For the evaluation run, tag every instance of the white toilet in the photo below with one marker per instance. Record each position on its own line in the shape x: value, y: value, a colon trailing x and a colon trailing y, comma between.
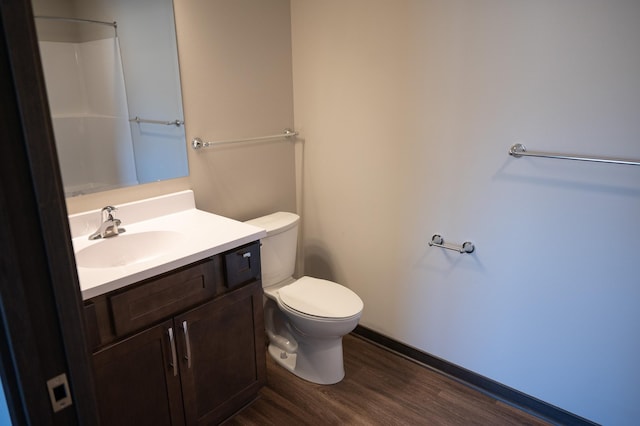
x: 306, y: 318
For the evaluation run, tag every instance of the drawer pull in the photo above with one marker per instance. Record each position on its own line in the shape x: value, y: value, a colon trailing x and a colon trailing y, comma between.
x: 246, y: 254
x: 185, y: 329
x: 172, y: 341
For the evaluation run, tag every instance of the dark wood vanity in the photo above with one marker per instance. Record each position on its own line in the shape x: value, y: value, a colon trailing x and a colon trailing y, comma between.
x: 185, y: 347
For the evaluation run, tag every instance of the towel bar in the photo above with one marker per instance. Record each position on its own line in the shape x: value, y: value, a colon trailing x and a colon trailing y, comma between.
x: 519, y: 150
x: 437, y: 241
x: 198, y: 143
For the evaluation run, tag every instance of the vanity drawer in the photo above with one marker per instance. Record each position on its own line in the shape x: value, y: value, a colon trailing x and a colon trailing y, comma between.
x: 242, y: 265
x: 165, y: 295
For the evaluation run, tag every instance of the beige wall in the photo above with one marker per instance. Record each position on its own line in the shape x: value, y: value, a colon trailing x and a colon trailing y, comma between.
x: 235, y: 63
x: 408, y: 109
x: 53, y: 7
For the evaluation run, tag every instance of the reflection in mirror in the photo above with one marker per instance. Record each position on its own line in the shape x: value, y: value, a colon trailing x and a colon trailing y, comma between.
x: 114, y: 91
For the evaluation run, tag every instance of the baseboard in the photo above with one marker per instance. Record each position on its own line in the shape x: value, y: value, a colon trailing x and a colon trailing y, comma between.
x: 497, y: 390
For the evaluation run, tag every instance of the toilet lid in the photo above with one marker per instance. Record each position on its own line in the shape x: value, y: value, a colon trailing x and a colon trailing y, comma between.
x: 320, y: 298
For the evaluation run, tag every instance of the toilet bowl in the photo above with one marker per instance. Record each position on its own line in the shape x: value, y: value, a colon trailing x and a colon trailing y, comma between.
x: 305, y: 318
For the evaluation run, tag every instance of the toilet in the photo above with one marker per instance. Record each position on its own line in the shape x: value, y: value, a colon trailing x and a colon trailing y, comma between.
x: 305, y: 318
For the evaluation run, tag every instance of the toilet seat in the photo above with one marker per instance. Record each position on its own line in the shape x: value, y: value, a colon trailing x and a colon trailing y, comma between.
x: 319, y: 298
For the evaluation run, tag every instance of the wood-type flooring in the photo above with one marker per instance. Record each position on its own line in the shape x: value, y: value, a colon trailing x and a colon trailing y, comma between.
x: 379, y: 388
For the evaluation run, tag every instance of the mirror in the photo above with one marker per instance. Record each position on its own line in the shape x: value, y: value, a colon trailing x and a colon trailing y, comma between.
x: 113, y: 82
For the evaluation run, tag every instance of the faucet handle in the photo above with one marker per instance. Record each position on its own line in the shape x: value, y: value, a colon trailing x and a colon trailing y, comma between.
x: 107, y: 212
x: 110, y: 226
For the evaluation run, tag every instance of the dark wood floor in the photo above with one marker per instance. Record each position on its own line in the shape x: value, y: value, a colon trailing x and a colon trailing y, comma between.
x: 380, y: 388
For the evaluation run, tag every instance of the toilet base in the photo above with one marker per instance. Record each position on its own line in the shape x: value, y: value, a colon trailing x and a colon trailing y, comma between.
x: 285, y: 359
x: 323, y: 365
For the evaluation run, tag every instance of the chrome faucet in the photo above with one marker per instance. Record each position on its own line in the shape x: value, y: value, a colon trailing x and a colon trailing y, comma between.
x: 109, y: 226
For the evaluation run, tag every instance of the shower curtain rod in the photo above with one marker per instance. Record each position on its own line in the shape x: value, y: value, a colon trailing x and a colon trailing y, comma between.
x: 113, y: 24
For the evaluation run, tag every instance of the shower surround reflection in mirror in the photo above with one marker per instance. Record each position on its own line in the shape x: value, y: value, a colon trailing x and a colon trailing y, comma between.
x: 88, y: 102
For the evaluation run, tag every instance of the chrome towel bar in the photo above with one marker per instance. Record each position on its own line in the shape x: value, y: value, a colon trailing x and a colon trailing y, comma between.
x: 438, y: 241
x: 519, y: 150
x: 198, y: 143
x: 139, y: 120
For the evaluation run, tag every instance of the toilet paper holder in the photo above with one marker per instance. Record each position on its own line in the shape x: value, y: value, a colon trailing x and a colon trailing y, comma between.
x: 466, y: 247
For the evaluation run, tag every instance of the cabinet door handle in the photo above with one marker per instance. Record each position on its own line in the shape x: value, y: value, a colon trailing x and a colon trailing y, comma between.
x: 174, y: 362
x: 185, y: 329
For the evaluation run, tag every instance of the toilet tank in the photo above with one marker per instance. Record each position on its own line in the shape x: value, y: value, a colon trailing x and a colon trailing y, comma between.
x: 278, y: 250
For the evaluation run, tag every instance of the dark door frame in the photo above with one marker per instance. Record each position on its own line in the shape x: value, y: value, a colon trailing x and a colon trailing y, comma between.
x: 41, y: 320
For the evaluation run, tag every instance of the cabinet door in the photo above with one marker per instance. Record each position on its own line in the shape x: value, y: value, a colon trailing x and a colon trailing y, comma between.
x: 136, y: 383
x: 224, y: 343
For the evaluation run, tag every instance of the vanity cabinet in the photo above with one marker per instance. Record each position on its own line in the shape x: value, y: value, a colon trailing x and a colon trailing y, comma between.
x: 163, y: 356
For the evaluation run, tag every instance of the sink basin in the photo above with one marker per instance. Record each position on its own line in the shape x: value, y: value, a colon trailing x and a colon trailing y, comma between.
x: 128, y: 249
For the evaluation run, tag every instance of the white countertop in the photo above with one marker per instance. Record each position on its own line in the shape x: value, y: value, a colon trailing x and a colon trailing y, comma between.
x: 202, y: 235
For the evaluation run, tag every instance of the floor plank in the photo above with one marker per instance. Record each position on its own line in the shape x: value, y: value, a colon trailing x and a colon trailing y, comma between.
x: 380, y: 388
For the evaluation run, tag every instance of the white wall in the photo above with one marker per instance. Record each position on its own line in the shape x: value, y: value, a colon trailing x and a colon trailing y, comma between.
x: 407, y: 109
